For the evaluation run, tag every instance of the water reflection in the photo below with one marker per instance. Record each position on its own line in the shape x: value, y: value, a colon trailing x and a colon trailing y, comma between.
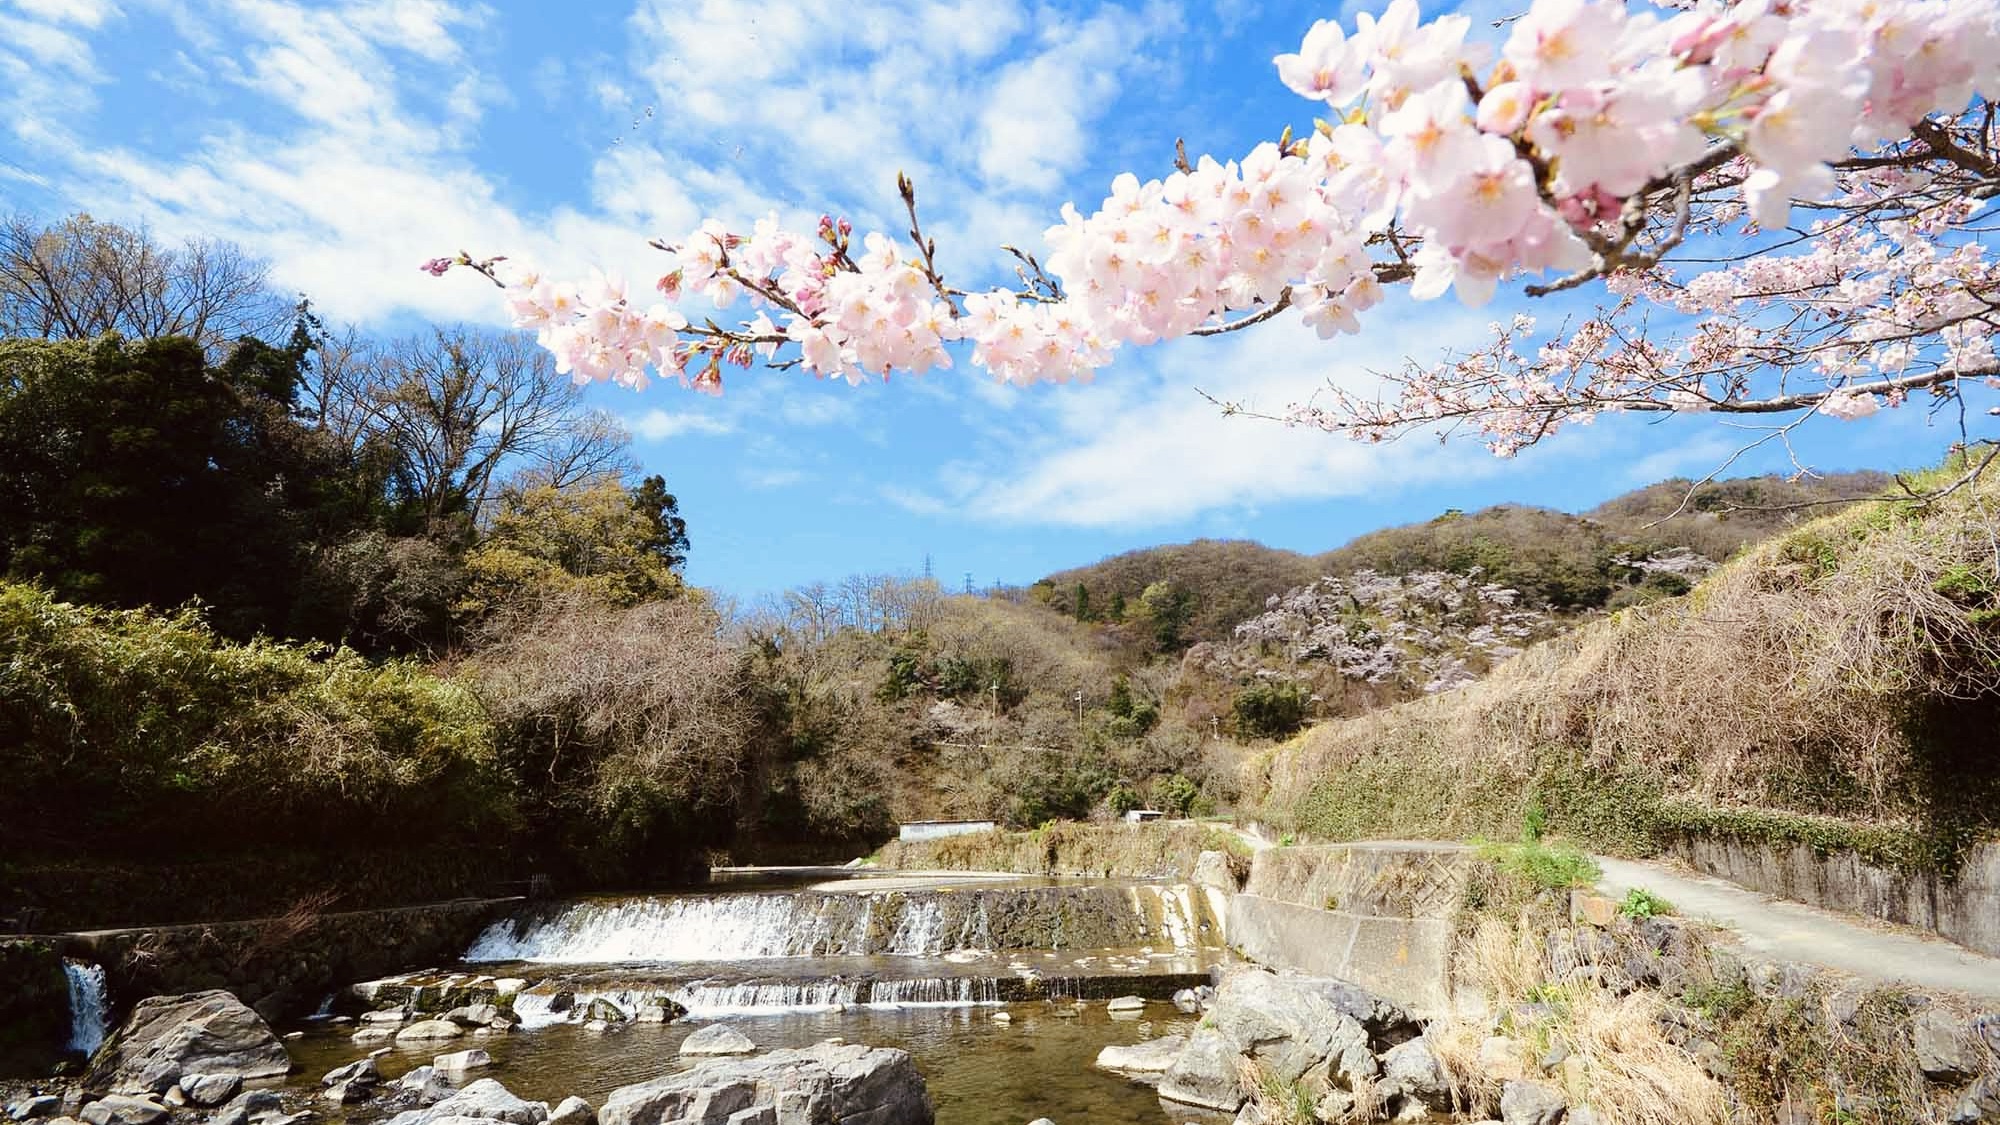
x: 980, y: 1072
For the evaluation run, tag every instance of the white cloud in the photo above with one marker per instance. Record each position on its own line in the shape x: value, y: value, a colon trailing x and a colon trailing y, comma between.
x: 1142, y: 449
x: 1034, y: 125
x: 658, y: 425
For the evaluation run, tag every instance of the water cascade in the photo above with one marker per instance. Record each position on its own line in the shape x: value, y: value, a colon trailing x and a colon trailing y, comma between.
x: 89, y: 1015
x: 909, y: 923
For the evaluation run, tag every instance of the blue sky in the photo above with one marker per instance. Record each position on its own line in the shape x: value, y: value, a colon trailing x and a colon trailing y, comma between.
x: 346, y: 143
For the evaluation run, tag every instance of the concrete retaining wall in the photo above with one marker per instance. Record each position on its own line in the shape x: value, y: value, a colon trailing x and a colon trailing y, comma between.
x: 280, y: 966
x: 1964, y: 909
x: 1379, y: 914
x: 1407, y: 960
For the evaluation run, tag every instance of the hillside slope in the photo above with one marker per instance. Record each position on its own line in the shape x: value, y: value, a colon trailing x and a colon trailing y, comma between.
x: 1559, y: 560
x: 1836, y: 685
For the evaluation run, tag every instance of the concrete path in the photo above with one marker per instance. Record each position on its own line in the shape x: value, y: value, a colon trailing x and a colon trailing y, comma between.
x: 1790, y: 931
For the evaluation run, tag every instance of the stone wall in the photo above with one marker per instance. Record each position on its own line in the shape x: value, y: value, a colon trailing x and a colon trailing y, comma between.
x: 1964, y: 908
x: 34, y: 1006
x: 281, y: 966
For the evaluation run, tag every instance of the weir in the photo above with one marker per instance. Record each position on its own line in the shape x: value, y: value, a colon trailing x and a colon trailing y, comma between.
x: 891, y: 942
x: 920, y: 922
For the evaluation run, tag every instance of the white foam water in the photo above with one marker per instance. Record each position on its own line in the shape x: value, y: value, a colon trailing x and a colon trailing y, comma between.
x: 740, y: 927
x: 89, y: 1014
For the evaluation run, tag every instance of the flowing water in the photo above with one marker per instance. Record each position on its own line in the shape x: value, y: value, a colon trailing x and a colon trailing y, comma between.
x: 979, y: 1072
x: 88, y: 1012
x: 923, y: 965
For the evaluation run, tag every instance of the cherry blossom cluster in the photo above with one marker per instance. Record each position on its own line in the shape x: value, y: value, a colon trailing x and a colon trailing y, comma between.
x: 1574, y: 151
x: 1857, y: 317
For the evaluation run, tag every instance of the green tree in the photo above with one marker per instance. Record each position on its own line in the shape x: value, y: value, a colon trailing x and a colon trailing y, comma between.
x: 1082, y: 602
x: 134, y: 473
x: 589, y: 541
x: 667, y: 535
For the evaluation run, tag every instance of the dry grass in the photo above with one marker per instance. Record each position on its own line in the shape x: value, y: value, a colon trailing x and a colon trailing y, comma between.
x: 1148, y: 851
x: 1789, y: 680
x: 1620, y: 1061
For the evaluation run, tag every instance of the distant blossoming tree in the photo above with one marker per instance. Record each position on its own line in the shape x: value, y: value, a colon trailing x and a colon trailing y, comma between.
x: 1778, y: 204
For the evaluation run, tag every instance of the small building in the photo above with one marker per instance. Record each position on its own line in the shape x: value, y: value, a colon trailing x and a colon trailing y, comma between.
x: 938, y: 829
x: 1141, y: 816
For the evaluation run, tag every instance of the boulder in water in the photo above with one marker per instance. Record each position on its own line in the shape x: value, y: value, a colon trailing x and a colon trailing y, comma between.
x: 1152, y: 1057
x: 717, y: 1039
x: 117, y: 1109
x: 430, y: 1086
x: 429, y: 1029
x: 848, y: 1083
x: 210, y: 1089
x: 458, y: 1062
x: 485, y: 1100
x: 600, y: 1010
x: 474, y: 1015
x: 1206, y: 1073
x: 1127, y: 1004
x: 166, y: 1037
x: 573, y: 1111
x: 363, y: 1072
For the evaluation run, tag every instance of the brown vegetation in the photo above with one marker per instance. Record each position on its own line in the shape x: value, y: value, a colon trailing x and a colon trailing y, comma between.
x: 1843, y: 669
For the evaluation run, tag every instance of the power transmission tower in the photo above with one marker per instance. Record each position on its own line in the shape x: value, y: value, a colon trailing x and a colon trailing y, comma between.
x: 927, y: 565
x: 968, y: 582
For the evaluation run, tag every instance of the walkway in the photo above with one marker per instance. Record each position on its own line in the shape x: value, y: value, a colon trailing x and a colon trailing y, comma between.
x: 1790, y: 931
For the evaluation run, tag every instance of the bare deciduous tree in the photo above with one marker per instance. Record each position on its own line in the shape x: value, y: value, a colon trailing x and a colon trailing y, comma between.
x: 464, y: 412
x: 80, y: 278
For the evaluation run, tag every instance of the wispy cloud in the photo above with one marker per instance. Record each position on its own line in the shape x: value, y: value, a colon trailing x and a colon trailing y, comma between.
x: 658, y: 425
x: 1143, y: 448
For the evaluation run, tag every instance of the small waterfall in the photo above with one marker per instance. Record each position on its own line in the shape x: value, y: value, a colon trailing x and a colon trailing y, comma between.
x: 954, y: 992
x: 739, y: 927
x: 89, y: 1015
x: 722, y: 999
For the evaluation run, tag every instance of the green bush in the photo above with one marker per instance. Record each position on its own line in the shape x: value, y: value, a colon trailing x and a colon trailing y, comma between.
x: 1548, y: 865
x: 1270, y: 710
x: 126, y: 730
x: 1642, y: 903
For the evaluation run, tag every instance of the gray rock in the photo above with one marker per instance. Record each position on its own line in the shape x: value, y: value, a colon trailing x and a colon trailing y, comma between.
x: 473, y: 1015
x: 1980, y: 1105
x: 1041, y: 1121
x: 848, y: 1083
x: 117, y: 1109
x: 1211, y: 869
x: 361, y: 1073
x: 1127, y: 1004
x: 573, y: 1111
x: 485, y: 1100
x: 1187, y: 1002
x: 386, y: 1015
x: 1944, y: 1050
x: 345, y: 1093
x: 659, y: 1009
x: 375, y: 1033
x: 1205, y: 1073
x: 210, y: 1089
x: 1290, y: 1025
x: 1530, y: 1103
x: 28, y: 1109
x: 1412, y: 1070
x: 1153, y: 1056
x: 204, y: 1033
x: 458, y: 1062
x: 424, y: 1030
x: 429, y: 1085
x: 717, y: 1039
x: 603, y: 1010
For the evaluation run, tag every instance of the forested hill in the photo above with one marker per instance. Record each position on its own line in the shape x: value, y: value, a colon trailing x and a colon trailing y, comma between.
x: 1558, y: 559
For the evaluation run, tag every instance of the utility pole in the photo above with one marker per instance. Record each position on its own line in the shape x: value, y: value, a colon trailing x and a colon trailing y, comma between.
x: 995, y: 689
x: 1215, y: 728
x: 1079, y: 710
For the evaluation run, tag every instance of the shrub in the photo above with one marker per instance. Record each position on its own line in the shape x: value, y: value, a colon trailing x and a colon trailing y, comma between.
x: 1642, y: 903
x: 133, y: 731
x: 1269, y: 710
